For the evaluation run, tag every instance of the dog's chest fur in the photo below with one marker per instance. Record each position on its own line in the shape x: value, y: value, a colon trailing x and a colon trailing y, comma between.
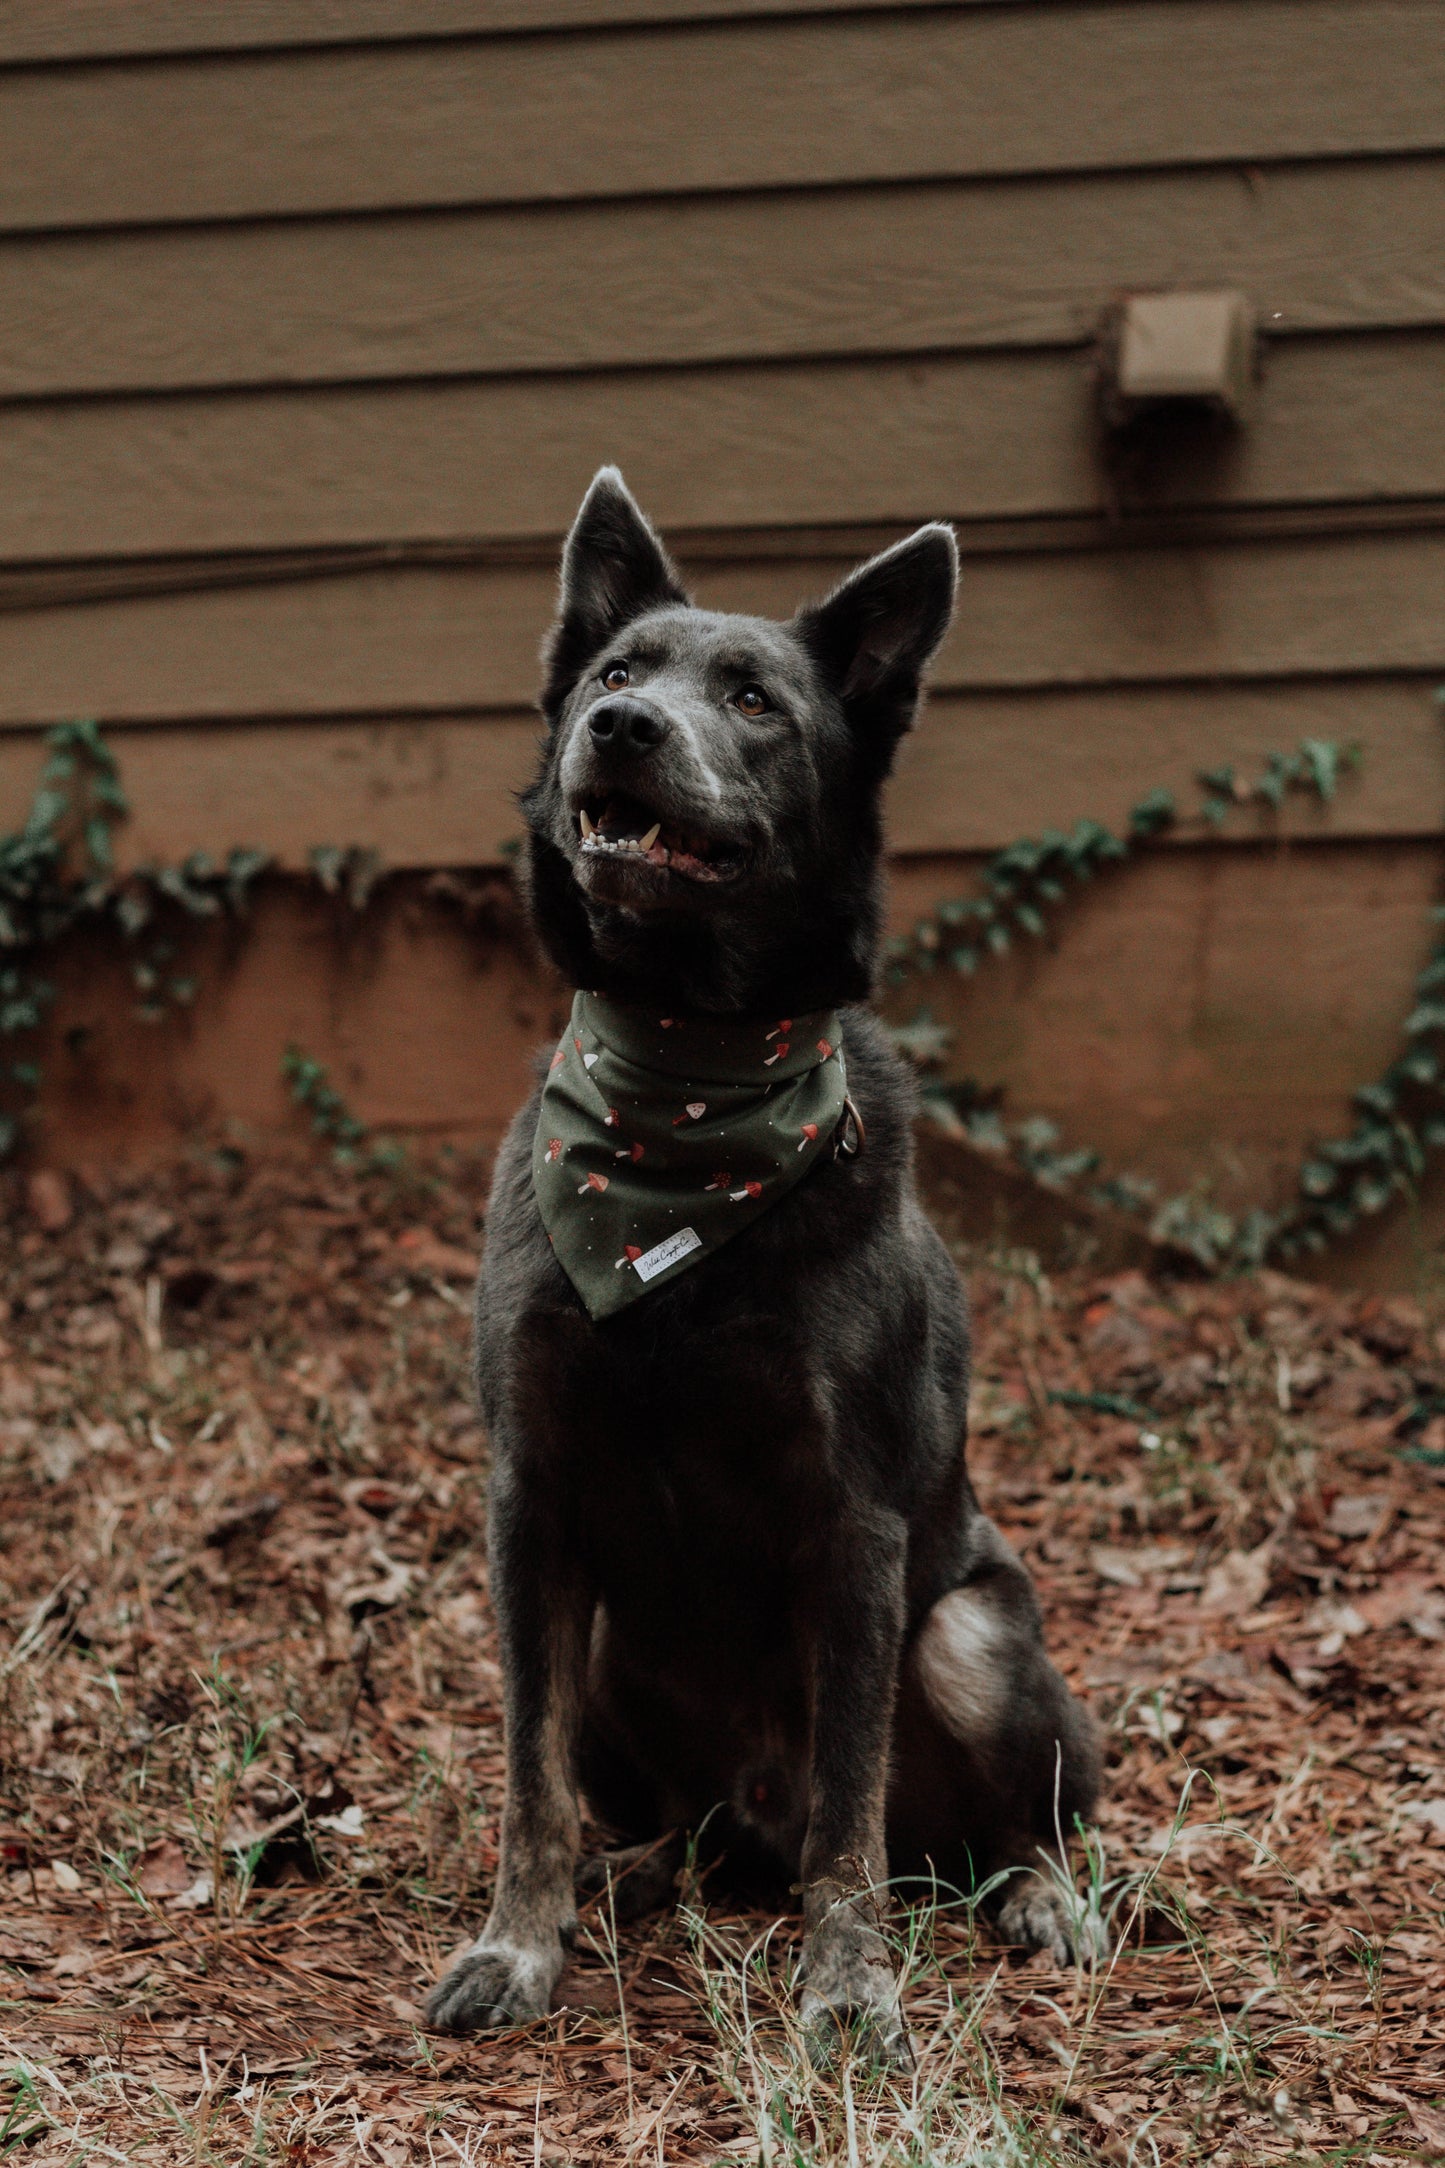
x: 688, y: 1440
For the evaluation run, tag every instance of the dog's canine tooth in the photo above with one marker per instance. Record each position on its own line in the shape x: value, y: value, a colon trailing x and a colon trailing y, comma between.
x: 645, y: 843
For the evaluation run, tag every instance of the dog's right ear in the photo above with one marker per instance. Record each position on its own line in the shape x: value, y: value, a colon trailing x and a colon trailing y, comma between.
x: 613, y: 568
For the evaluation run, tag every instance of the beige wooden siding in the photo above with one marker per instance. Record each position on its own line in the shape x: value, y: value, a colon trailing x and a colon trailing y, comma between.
x: 657, y: 109
x: 973, y: 437
x: 315, y: 320
x: 429, y: 789
x: 466, y: 637
x: 806, y: 273
x: 93, y: 29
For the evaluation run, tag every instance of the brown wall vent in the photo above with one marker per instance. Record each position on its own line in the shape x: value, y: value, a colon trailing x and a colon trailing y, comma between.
x: 1180, y: 349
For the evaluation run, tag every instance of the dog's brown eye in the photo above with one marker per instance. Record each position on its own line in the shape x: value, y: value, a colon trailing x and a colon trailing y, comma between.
x: 752, y: 700
x: 615, y: 676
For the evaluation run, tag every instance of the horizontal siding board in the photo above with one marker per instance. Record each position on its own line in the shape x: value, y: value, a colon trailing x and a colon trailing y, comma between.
x: 1308, y: 608
x: 1341, y: 246
x: 897, y: 95
x: 979, y: 772
x: 433, y: 792
x: 971, y: 436
x: 463, y: 639
x: 983, y: 769
x: 32, y: 30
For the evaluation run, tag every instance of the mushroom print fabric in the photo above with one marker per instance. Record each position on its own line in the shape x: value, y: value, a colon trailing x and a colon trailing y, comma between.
x: 660, y: 1137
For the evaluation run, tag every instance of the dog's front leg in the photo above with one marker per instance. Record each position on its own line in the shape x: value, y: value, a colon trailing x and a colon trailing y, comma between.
x: 856, y: 1605
x: 544, y: 1615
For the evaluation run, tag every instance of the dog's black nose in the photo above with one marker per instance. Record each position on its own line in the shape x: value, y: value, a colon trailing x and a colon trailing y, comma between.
x: 625, y: 725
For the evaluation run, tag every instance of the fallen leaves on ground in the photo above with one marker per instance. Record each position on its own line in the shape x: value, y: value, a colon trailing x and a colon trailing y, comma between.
x: 249, y: 1717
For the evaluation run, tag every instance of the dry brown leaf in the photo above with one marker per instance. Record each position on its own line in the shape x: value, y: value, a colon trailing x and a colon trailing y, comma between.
x: 163, y: 1871
x: 423, y: 1251
x: 1430, y: 2122
x: 1238, y: 1583
x: 1356, y: 1516
x: 1131, y: 1568
x: 1411, y: 1599
x: 47, y: 1192
x: 72, y: 1963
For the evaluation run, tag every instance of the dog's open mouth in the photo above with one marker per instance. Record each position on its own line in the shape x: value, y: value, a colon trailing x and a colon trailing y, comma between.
x: 625, y: 830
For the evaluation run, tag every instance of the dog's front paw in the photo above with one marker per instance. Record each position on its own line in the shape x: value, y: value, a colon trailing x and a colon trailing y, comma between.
x: 494, y: 1987
x: 850, y: 1989
x: 1039, y: 1915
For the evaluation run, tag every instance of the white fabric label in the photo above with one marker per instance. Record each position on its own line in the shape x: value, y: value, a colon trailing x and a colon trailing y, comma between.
x: 682, y: 1244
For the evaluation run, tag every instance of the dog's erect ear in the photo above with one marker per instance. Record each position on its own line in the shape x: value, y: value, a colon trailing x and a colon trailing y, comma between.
x: 613, y: 568
x: 874, y: 634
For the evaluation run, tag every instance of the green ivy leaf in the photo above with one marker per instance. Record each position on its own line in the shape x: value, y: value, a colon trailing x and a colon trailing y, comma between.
x: 133, y: 909
x: 923, y: 1040
x: 1321, y: 762
x: 326, y: 862
x: 98, y: 843
x: 1152, y: 814
x: 1420, y: 1066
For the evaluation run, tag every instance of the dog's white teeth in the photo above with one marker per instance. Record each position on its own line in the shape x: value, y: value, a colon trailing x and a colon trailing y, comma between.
x: 588, y: 826
x: 645, y: 843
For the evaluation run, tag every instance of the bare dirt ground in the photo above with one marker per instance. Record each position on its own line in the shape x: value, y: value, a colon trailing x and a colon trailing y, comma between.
x: 251, y: 1752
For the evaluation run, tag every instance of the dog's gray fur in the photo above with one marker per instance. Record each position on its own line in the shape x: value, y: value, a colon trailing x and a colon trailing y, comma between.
x: 738, y: 1568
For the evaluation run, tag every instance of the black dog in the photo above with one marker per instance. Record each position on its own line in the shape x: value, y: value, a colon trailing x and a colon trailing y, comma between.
x: 738, y: 1568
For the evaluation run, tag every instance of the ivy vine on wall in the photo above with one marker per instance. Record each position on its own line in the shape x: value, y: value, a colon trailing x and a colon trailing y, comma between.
x: 59, y: 871
x: 1343, y: 1180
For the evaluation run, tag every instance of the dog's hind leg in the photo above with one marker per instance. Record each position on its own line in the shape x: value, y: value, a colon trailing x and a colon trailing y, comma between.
x: 997, y: 1761
x: 635, y: 1879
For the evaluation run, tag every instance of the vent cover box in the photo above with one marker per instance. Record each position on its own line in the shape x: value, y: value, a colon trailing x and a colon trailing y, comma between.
x: 1186, y: 346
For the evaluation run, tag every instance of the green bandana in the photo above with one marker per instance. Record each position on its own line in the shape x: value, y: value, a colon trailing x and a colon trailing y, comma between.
x: 659, y: 1137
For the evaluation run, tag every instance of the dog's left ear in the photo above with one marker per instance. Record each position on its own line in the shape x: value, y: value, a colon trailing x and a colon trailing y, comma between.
x: 874, y: 635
